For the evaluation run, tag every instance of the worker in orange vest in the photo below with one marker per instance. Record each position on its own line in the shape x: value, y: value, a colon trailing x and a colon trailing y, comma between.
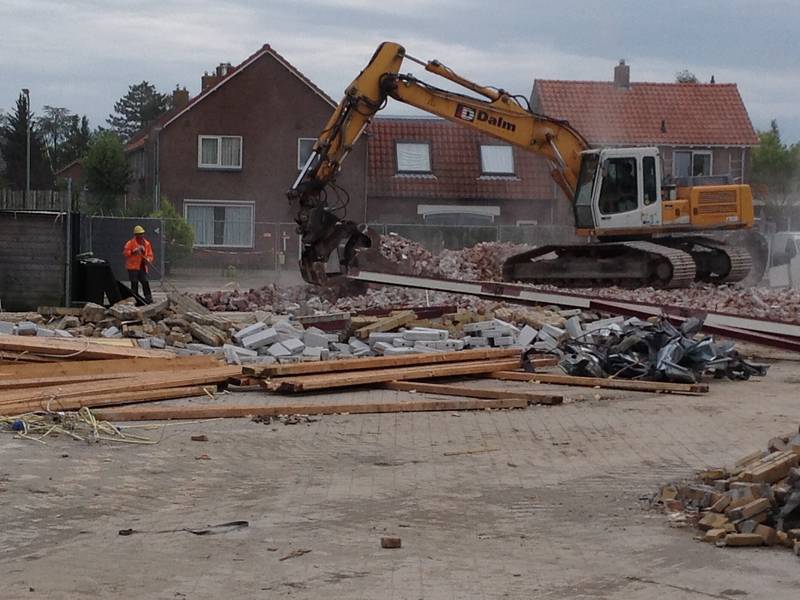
x: 138, y: 254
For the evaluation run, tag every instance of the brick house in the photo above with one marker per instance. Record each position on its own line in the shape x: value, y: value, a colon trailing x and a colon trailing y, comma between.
x: 701, y: 129
x: 430, y: 171
x: 226, y: 157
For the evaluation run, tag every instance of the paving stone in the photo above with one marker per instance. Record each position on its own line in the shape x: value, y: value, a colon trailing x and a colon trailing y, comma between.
x: 526, y: 335
x: 240, y: 335
x: 316, y: 339
x: 241, y: 352
x: 424, y: 334
x: 278, y: 350
x: 294, y: 345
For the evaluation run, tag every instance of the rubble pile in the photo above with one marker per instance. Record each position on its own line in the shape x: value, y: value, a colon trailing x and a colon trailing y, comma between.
x: 483, y: 261
x: 415, y: 258
x: 774, y: 304
x: 651, y: 350
x: 755, y: 502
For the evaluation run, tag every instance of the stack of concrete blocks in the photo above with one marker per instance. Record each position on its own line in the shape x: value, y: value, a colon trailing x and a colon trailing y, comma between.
x: 28, y: 328
x: 495, y: 334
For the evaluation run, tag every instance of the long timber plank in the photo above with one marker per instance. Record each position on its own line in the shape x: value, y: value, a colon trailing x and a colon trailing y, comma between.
x: 129, y: 397
x: 355, y: 378
x: 153, y: 381
x: 103, y: 367
x: 214, y: 411
x: 378, y: 362
x: 471, y: 392
x: 616, y: 384
x: 79, y: 349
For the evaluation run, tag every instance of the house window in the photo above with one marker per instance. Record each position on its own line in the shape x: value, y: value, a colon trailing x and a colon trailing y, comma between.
x: 219, y: 152
x: 688, y: 164
x: 220, y: 224
x: 304, y: 148
x: 413, y: 157
x: 701, y: 163
x: 497, y: 160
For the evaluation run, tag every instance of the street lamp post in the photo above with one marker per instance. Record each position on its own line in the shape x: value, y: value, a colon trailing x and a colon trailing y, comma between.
x: 27, y: 93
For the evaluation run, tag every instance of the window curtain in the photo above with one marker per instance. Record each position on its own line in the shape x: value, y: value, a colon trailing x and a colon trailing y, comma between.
x: 231, y: 152
x: 201, y: 219
x: 414, y: 158
x: 238, y: 226
x: 208, y: 151
x: 497, y: 159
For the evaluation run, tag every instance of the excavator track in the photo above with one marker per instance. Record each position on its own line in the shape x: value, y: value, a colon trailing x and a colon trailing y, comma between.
x: 716, y: 261
x: 626, y: 264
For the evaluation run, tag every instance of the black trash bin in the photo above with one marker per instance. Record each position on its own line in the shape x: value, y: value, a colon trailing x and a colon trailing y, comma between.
x: 95, y: 281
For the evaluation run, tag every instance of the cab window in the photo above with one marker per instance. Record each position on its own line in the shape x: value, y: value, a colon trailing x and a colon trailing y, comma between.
x: 649, y: 180
x: 619, y: 191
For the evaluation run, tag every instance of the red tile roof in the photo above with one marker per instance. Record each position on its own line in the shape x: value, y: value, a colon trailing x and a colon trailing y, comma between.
x: 455, y: 162
x: 693, y: 113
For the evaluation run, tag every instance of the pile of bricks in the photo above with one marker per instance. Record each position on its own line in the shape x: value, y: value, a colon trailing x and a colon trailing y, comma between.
x: 755, y: 502
x: 414, y: 257
x: 483, y: 261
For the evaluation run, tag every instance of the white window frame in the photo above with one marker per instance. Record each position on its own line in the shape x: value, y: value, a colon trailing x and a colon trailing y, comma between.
x: 224, y: 203
x: 692, y: 154
x: 485, y: 173
x: 218, y: 166
x: 302, y: 163
x: 399, y: 143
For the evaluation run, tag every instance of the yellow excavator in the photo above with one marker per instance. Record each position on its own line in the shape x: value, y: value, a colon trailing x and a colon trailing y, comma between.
x: 641, y: 230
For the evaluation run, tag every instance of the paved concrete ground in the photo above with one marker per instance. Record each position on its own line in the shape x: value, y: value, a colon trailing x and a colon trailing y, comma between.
x: 550, y: 508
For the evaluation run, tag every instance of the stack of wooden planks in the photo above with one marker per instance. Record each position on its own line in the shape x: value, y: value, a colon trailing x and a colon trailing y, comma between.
x: 17, y: 348
x: 71, y: 385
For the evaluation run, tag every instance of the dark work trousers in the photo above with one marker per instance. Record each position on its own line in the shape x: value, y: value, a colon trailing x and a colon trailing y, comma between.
x: 141, y: 276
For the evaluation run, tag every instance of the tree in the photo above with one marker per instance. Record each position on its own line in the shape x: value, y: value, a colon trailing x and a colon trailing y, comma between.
x: 78, y: 138
x: 178, y: 234
x: 775, y: 167
x: 106, y: 172
x: 13, y: 147
x: 141, y: 105
x: 54, y: 126
x: 685, y: 76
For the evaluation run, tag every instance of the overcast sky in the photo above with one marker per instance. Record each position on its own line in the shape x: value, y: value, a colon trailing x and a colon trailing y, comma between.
x: 83, y: 54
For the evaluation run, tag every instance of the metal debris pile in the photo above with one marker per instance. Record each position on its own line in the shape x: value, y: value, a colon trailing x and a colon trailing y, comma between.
x: 650, y: 350
x: 754, y: 502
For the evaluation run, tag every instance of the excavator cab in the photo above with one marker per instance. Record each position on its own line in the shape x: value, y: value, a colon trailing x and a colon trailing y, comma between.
x: 618, y: 189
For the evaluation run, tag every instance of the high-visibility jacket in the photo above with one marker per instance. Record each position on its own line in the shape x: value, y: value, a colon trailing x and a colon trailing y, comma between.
x: 133, y: 261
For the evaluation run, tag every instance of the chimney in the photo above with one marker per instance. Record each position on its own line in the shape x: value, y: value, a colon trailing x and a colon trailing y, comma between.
x: 622, y: 75
x: 208, y: 81
x: 180, y: 97
x: 224, y: 69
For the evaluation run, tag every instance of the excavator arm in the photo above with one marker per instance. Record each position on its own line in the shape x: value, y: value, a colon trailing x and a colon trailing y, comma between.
x: 325, y: 232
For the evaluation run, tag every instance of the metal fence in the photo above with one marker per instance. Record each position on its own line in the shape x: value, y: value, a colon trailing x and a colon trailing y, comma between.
x: 44, y: 200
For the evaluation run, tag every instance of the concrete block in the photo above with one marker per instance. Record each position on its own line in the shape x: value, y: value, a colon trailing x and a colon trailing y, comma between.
x: 479, y: 327
x: 316, y: 339
x: 554, y: 332
x: 26, y: 328
x: 386, y: 338
x: 505, y: 326
x: 6, y: 327
x: 380, y: 347
x: 111, y: 332
x: 431, y: 345
x: 144, y: 343
x: 425, y: 334
x: 260, y: 339
x: 288, y: 331
x: 526, y: 336
x: 241, y: 352
x: 573, y: 327
x: 258, y: 360
x: 248, y: 331
x: 316, y: 352
x: 278, y: 350
x: 157, y: 342
x: 502, y: 341
x: 93, y: 312
x: 402, y: 343
x: 392, y: 351
x: 63, y: 334
x: 474, y: 341
x: 603, y: 323
x: 342, y: 348
x: 294, y: 345
x: 203, y: 348
x: 44, y: 332
x: 357, y: 347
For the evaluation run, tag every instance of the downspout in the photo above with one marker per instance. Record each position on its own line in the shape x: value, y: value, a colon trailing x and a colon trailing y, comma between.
x: 68, y: 274
x: 744, y: 154
x: 157, y: 170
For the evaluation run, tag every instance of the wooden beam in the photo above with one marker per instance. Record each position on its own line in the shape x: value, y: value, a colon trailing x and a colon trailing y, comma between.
x: 387, y: 323
x: 213, y: 411
x: 104, y: 367
x: 7, y: 358
x: 454, y: 390
x: 380, y: 362
x: 128, y: 397
x: 78, y: 348
x: 145, y: 381
x: 353, y: 378
x: 616, y: 384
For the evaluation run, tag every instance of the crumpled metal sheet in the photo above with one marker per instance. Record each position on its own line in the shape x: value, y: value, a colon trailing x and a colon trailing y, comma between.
x: 654, y: 351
